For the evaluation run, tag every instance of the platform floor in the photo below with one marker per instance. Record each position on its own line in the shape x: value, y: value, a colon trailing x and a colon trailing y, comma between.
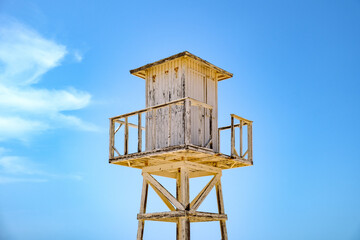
x: 189, y: 153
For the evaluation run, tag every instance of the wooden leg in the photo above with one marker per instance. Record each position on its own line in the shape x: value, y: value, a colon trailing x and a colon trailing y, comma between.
x: 220, y: 202
x: 182, y: 195
x: 141, y: 223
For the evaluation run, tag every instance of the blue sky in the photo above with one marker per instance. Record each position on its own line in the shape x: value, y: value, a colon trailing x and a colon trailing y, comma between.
x: 64, y: 70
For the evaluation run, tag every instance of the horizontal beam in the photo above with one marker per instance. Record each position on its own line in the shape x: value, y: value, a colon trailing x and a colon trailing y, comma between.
x: 173, y: 216
x: 228, y: 127
x: 130, y: 124
x: 241, y: 118
x: 176, y: 165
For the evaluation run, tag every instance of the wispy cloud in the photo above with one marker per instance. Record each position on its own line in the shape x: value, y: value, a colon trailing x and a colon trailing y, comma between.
x: 14, y: 169
x: 25, y: 109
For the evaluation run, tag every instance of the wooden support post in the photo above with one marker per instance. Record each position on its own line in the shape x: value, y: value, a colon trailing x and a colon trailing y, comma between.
x: 232, y: 137
x: 143, y: 202
x: 126, y: 137
x: 241, y: 139
x: 250, y: 151
x: 182, y: 193
x: 221, y: 208
x: 210, y: 128
x: 112, y: 139
x: 139, y: 133
x: 187, y: 121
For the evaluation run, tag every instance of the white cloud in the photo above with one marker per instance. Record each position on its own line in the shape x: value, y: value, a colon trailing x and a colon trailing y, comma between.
x: 25, y: 109
x: 78, y: 57
x: 19, y: 169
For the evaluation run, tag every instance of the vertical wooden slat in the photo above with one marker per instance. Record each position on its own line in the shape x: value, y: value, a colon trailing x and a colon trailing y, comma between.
x: 241, y: 137
x: 153, y: 134
x: 182, y: 193
x: 126, y: 137
x: 169, y: 126
x: 187, y: 120
x: 250, y: 152
x: 112, y: 139
x: 139, y: 133
x: 143, y: 202
x: 232, y: 137
x: 221, y: 208
x: 210, y: 128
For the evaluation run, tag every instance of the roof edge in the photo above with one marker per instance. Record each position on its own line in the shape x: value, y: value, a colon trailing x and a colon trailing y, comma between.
x: 139, y: 72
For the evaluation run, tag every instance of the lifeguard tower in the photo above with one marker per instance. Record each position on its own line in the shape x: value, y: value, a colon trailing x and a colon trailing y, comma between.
x: 181, y: 139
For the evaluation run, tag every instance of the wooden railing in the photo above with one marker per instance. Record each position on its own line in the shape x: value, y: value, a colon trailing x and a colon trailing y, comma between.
x: 123, y: 120
x: 243, y: 122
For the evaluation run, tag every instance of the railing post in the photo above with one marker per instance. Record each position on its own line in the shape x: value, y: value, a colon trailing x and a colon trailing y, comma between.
x: 126, y: 136
x: 187, y: 121
x: 250, y: 152
x: 112, y: 139
x: 241, y: 139
x: 232, y: 137
x: 139, y: 133
x: 210, y: 128
x: 218, y: 140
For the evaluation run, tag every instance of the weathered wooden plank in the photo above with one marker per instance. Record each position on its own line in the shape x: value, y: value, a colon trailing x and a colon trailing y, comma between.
x: 228, y: 127
x: 241, y: 118
x: 158, y: 187
x: 173, y: 216
x: 187, y: 121
x: 169, y: 126
x: 139, y: 133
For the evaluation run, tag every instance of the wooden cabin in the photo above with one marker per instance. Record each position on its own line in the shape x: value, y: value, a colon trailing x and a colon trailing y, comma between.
x: 182, y: 137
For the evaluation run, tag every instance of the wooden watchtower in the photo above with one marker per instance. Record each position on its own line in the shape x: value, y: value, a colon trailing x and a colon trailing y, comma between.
x: 180, y: 139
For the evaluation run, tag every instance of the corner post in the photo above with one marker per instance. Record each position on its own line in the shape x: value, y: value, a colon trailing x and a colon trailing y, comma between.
x: 232, y: 137
x: 139, y: 133
x: 220, y: 203
x: 126, y: 137
x: 250, y: 150
x: 143, y: 202
x: 112, y: 139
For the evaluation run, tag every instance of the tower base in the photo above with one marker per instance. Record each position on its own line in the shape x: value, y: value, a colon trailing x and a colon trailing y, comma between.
x: 182, y: 211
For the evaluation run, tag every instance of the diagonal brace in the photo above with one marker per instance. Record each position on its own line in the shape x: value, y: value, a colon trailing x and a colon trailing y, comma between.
x: 164, y: 194
x: 195, y: 203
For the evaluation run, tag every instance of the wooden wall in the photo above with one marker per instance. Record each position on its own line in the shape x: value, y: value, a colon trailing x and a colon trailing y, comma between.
x: 175, y: 79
